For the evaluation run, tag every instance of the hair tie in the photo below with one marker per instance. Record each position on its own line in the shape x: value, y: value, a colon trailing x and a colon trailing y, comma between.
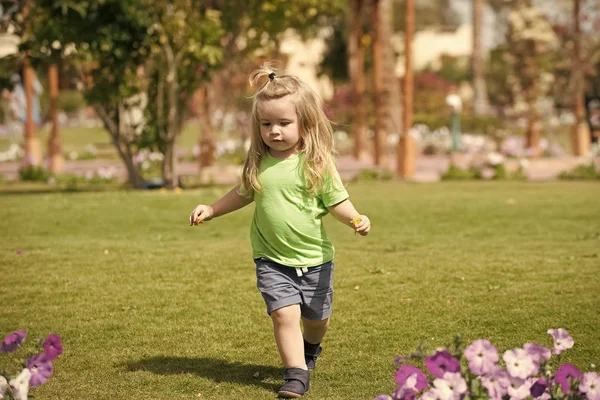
x: 272, y: 76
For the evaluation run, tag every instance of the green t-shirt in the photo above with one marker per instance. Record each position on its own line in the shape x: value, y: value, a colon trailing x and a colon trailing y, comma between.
x: 287, y: 226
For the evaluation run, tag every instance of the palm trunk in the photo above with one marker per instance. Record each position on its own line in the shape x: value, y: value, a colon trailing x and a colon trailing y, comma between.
x: 55, y: 156
x: 357, y: 77
x: 481, y: 103
x: 406, y: 147
x: 381, y: 46
x: 580, y: 135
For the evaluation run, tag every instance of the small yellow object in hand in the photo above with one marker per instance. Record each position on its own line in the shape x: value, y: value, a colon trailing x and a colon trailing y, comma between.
x: 356, y: 221
x: 198, y: 221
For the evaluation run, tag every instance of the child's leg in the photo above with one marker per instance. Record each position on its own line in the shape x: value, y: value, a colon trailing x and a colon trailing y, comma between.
x: 288, y: 336
x: 314, y: 331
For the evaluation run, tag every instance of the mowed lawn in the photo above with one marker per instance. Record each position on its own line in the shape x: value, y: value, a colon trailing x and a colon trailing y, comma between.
x: 150, y: 308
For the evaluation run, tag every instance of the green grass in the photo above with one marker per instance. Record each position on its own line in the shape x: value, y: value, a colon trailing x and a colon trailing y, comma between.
x: 149, y: 308
x: 77, y: 138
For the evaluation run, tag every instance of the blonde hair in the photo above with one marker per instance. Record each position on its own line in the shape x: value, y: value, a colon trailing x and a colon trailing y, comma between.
x: 316, y: 132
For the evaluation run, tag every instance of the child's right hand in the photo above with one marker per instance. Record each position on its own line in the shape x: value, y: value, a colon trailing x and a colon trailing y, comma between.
x: 201, y: 213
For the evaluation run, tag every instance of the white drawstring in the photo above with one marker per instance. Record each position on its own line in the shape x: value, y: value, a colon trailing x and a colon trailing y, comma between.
x: 299, y: 271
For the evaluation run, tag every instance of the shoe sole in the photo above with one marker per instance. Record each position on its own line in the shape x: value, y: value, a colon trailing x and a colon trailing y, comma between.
x: 288, y: 395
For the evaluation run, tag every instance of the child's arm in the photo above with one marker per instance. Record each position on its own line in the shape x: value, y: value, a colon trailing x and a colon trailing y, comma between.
x: 230, y: 202
x: 347, y: 214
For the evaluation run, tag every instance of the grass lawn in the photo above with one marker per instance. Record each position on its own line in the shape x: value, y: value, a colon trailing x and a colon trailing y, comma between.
x: 150, y: 308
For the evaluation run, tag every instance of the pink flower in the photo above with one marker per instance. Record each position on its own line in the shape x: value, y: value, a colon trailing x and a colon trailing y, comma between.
x: 496, y: 383
x: 562, y: 340
x: 539, y: 353
x: 590, y: 385
x: 442, y: 362
x: 53, y: 346
x: 519, y: 363
x: 565, y: 375
x: 13, y: 340
x: 411, y: 377
x: 482, y: 357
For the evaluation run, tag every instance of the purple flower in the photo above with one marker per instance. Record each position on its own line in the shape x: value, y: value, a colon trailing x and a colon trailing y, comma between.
x: 565, y: 374
x: 562, y: 340
x: 40, y: 367
x: 590, y: 385
x: 519, y: 363
x: 482, y: 357
x: 19, y: 251
x: 404, y: 393
x: 538, y: 388
x: 13, y: 340
x: 539, y: 353
x: 440, y: 363
x: 496, y: 383
x: 53, y: 346
x: 383, y: 397
x: 411, y: 377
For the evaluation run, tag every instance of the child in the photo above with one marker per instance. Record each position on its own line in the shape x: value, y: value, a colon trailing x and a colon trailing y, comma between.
x: 290, y: 175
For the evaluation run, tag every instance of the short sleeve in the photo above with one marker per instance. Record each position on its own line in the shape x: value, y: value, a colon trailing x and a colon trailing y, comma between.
x: 333, y: 191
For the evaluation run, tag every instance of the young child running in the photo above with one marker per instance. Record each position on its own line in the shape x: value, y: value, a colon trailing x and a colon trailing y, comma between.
x: 290, y: 175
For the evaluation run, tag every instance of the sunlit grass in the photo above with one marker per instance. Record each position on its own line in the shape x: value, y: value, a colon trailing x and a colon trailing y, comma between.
x: 150, y: 308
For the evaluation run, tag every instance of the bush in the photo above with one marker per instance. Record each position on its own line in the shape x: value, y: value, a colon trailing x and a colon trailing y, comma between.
x: 33, y: 173
x: 70, y: 101
x: 581, y: 172
x: 374, y: 175
x: 469, y: 124
x: 455, y: 173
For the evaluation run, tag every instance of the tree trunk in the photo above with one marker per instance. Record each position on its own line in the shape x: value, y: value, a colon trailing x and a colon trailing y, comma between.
x: 169, y: 173
x: 533, y: 134
x: 207, y: 137
x: 481, y: 103
x: 381, y: 45
x: 357, y: 77
x: 580, y: 135
x: 406, y: 147
x: 55, y: 157
x: 134, y: 178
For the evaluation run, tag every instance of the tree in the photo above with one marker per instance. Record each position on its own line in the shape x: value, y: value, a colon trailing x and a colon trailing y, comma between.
x: 135, y: 55
x: 481, y: 104
x: 357, y: 78
x: 529, y: 38
x: 405, y: 149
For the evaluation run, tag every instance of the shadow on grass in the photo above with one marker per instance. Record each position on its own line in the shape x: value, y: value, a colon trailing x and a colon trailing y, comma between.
x: 211, y: 368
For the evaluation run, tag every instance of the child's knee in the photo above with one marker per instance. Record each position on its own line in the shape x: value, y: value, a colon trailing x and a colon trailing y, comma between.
x: 286, y: 315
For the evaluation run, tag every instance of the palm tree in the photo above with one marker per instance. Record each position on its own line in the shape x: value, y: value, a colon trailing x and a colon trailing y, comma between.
x: 357, y: 78
x: 580, y: 136
x: 406, y: 148
x: 481, y: 103
x: 387, y: 92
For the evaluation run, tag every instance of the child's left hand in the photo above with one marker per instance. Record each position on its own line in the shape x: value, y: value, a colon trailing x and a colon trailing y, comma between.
x: 362, y: 225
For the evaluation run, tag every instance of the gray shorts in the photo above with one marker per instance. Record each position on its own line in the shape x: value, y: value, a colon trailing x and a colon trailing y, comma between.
x: 280, y: 286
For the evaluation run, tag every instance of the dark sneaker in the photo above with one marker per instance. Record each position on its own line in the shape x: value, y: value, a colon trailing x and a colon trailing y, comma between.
x: 297, y: 382
x: 311, y: 359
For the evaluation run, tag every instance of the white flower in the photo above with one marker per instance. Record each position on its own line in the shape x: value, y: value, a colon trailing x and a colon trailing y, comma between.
x: 562, y: 340
x: 590, y: 385
x: 519, y: 389
x: 451, y: 387
x: 19, y: 386
x: 3, y: 386
x: 495, y: 158
x: 519, y: 363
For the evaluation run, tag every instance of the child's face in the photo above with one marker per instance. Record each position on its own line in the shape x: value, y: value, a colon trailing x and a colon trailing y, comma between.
x: 279, y: 126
